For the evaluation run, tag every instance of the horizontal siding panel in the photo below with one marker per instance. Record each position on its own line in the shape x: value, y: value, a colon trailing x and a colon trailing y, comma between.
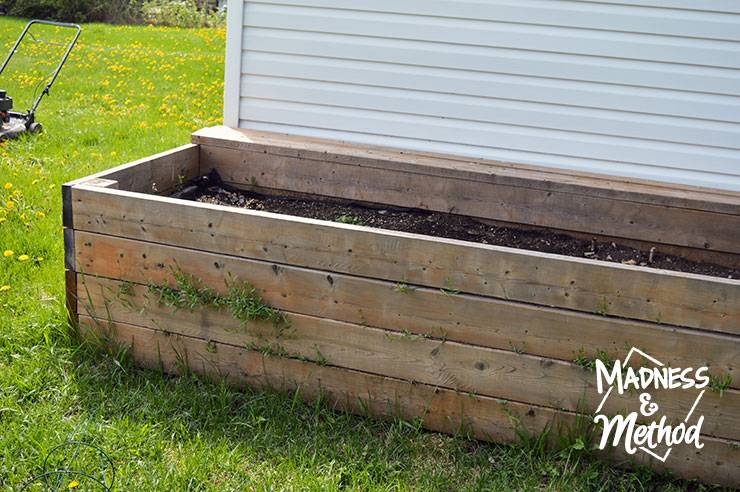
x: 694, y: 177
x: 643, y: 88
x: 473, y: 133
x: 494, y: 60
x: 494, y: 34
x: 646, y: 20
x: 492, y: 85
x: 488, y: 110
x: 720, y: 6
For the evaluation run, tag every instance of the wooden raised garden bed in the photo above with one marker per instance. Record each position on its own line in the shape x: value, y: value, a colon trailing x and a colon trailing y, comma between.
x: 474, y: 338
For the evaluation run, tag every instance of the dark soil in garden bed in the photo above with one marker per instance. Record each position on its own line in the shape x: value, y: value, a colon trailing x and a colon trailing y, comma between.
x: 210, y: 189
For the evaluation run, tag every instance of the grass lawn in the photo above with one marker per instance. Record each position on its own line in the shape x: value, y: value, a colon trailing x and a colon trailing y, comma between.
x: 128, y: 92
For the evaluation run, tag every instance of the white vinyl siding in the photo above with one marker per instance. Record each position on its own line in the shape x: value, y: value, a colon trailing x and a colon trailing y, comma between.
x: 647, y: 89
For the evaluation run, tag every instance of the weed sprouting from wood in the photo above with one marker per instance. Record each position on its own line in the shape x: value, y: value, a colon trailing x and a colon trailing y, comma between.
x: 274, y: 350
x: 449, y: 288
x: 125, y: 288
x: 519, y: 349
x: 349, y: 219
x: 589, y: 363
x: 241, y: 299
x: 403, y: 288
x: 245, y: 304
x: 320, y: 359
x: 602, y: 308
x: 721, y: 383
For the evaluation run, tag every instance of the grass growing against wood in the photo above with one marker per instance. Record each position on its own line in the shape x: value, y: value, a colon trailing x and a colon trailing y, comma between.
x: 129, y: 92
x: 241, y: 299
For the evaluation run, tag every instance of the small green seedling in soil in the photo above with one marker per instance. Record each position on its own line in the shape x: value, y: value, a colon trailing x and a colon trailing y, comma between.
x: 349, y: 219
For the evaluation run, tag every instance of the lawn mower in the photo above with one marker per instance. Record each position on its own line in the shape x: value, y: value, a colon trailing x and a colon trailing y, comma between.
x: 14, y: 124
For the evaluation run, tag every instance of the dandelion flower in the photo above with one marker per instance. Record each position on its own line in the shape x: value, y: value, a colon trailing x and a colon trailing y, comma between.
x: 9, y: 205
x: 23, y: 258
x: 4, y: 288
x: 73, y: 484
x: 8, y: 186
x: 40, y: 214
x: 8, y: 253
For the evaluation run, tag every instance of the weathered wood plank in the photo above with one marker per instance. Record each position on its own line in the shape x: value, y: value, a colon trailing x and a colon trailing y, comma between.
x: 418, y: 182
x: 158, y: 174
x: 546, y: 178
x: 452, y: 365
x: 487, y: 322
x: 538, y: 278
x: 441, y: 410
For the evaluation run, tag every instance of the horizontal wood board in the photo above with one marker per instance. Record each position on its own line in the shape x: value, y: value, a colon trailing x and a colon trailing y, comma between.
x: 544, y: 279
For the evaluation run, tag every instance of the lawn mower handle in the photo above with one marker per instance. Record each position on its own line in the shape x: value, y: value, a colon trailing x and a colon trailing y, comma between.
x: 61, y: 63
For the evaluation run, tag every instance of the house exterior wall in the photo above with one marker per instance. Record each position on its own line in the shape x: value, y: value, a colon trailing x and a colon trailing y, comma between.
x: 638, y: 88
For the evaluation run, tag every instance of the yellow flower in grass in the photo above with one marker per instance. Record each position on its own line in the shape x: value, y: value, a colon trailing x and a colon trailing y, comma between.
x: 9, y: 205
x: 73, y: 484
x: 8, y: 186
x: 8, y: 253
x: 4, y: 288
x: 40, y: 214
x: 23, y: 258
